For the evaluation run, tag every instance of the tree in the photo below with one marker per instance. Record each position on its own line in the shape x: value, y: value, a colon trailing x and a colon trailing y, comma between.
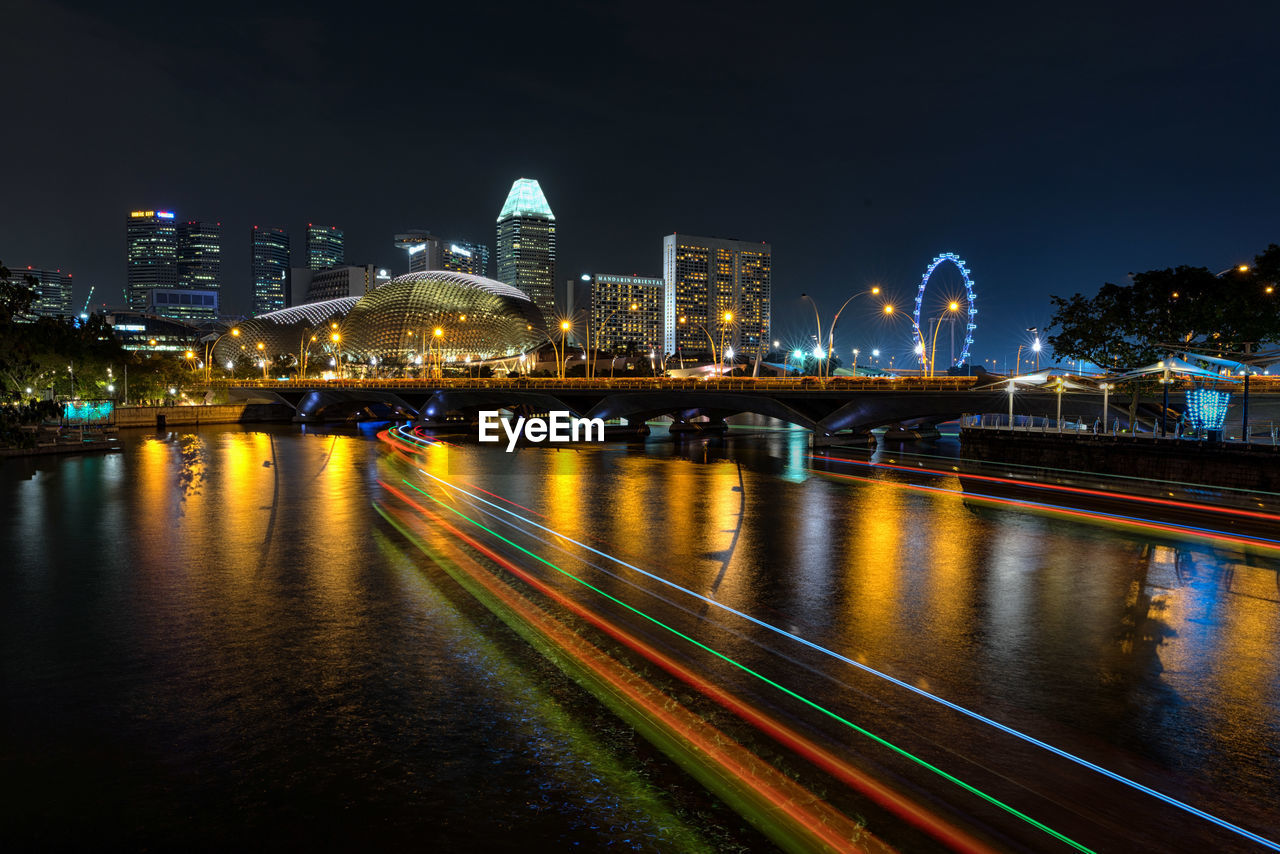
x: 1124, y: 326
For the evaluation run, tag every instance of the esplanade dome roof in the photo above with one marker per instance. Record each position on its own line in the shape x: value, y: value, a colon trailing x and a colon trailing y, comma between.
x: 477, y: 318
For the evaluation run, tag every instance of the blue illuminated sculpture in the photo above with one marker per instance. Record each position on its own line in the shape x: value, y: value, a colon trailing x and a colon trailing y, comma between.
x: 1207, y: 408
x: 969, y: 298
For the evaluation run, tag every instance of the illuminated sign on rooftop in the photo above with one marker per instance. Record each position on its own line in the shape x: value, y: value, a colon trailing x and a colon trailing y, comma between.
x: 414, y: 250
x: 458, y: 250
x: 165, y: 214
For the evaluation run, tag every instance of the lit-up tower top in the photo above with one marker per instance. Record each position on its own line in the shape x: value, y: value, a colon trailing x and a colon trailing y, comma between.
x: 527, y: 245
x: 325, y: 247
x: 151, y: 254
x: 270, y: 263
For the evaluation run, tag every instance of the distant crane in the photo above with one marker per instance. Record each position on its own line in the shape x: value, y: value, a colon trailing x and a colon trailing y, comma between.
x: 88, y: 300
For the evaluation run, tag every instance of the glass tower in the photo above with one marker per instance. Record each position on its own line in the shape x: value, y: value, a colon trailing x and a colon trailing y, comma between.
x: 270, y: 253
x: 527, y: 245
x: 705, y: 279
x: 325, y: 247
x: 151, y: 249
x: 200, y: 255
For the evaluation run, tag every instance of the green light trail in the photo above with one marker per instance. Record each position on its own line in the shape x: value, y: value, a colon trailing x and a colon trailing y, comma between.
x: 829, y: 713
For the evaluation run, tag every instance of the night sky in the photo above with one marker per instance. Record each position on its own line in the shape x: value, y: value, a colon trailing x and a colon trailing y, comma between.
x: 1053, y: 147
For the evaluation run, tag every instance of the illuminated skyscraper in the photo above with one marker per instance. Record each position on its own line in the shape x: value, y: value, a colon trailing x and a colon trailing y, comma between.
x: 270, y: 254
x: 423, y: 248
x: 325, y: 247
x: 151, y: 249
x: 461, y: 257
x: 707, y: 277
x: 527, y: 245
x: 614, y: 323
x: 200, y: 255
x: 53, y: 291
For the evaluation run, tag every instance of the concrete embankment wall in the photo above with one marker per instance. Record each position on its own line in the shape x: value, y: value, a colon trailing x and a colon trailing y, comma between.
x: 194, y: 416
x: 1256, y: 467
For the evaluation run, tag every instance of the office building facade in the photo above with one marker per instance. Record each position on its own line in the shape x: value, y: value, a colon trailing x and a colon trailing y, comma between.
x: 615, y: 325
x: 527, y: 246
x: 151, y: 250
x: 183, y: 303
x: 706, y: 277
x: 199, y: 260
x: 348, y: 280
x: 326, y: 247
x: 52, y: 289
x: 269, y: 254
x: 462, y: 257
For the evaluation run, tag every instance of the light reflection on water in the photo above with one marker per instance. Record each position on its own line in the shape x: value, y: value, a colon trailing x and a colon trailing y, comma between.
x: 219, y: 615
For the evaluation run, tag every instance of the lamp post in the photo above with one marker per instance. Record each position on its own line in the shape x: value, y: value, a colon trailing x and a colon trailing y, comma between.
x: 1062, y: 384
x: 818, y: 320
x: 595, y: 348
x: 1106, y: 413
x: 437, y: 337
x: 234, y: 332
x: 726, y: 322
x: 1035, y: 347
x: 684, y: 321
x: 563, y: 358
x: 831, y: 332
x: 1011, y: 387
x: 335, y: 335
x: 263, y: 358
x: 1164, y: 406
x: 952, y: 307
x: 304, y: 351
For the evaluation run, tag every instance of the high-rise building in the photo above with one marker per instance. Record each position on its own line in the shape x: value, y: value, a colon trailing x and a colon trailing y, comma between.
x: 151, y: 249
x: 325, y: 247
x: 424, y: 249
x: 462, y: 257
x: 614, y: 323
x: 527, y: 245
x: 428, y: 252
x: 53, y: 291
x: 200, y: 255
x: 349, y: 280
x: 270, y: 261
x: 706, y: 278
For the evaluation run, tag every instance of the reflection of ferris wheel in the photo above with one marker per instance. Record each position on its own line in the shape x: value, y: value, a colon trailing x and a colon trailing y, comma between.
x: 970, y: 311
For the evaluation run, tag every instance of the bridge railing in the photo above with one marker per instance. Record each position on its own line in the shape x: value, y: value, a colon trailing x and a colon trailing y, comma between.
x: 745, y: 384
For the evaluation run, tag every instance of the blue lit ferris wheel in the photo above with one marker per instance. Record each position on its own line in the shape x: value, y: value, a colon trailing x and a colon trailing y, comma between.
x: 968, y: 309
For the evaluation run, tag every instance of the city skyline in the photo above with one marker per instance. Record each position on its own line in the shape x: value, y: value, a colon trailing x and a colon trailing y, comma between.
x: 867, y: 156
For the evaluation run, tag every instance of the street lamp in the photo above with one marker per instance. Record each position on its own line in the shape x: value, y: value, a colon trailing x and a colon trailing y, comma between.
x: 437, y: 335
x: 874, y: 290
x: 234, y: 332
x: 262, y: 347
x: 684, y: 321
x: 952, y: 307
x: 1106, y: 416
x: 595, y: 349
x: 336, y: 337
x: 1035, y: 347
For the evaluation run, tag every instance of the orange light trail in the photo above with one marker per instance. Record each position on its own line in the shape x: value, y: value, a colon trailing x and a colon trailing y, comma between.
x: 903, y: 808
x: 1078, y: 490
x: 775, y: 794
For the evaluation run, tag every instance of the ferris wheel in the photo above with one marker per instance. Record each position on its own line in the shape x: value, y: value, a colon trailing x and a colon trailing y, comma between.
x: 968, y: 310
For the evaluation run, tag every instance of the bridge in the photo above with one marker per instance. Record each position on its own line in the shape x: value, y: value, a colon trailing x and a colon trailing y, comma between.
x: 826, y: 407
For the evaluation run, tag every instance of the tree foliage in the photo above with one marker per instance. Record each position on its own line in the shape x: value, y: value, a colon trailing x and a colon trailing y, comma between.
x: 1124, y: 326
